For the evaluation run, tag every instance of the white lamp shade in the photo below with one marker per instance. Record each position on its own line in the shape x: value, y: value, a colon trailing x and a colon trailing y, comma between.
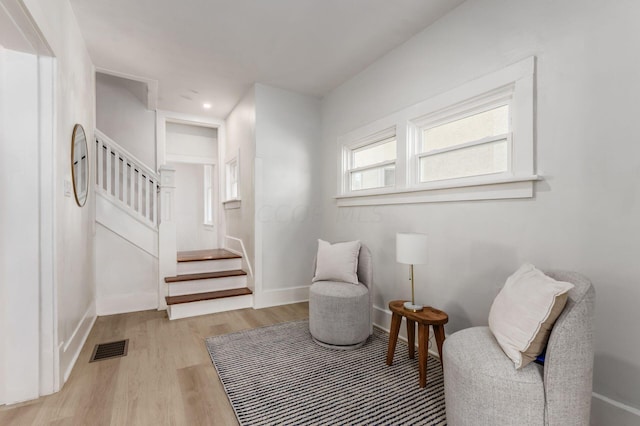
x: 411, y: 248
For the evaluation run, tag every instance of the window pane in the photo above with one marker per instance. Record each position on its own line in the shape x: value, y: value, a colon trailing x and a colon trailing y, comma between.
x: 379, y: 177
x: 369, y: 155
x: 489, y: 123
x: 482, y: 159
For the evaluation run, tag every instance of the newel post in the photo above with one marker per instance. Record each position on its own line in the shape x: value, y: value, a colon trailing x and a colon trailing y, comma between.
x: 167, y: 249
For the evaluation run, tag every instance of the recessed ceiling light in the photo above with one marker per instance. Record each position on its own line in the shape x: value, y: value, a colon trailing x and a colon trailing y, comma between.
x: 206, y: 105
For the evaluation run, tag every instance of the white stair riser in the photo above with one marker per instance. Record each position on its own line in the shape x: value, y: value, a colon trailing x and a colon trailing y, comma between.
x: 209, y: 266
x: 204, y: 286
x: 204, y: 307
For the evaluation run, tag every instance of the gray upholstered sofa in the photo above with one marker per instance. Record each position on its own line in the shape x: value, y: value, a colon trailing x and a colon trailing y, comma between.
x: 482, y: 387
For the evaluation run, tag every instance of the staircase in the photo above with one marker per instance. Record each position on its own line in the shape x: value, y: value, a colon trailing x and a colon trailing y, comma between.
x: 207, y: 281
x: 138, y: 205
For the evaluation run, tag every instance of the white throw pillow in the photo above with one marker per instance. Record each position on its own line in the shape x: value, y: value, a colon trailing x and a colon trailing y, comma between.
x: 524, y: 312
x: 337, y: 262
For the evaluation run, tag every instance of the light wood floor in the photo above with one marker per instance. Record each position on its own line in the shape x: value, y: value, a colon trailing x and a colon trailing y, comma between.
x: 167, y: 378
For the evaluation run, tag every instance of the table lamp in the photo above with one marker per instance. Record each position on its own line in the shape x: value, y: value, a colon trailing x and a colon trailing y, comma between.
x: 411, y: 249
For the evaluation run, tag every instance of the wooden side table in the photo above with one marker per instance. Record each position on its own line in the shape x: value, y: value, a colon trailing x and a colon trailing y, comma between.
x: 427, y: 317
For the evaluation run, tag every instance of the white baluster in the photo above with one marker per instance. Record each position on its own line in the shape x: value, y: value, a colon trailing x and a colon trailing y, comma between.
x: 109, y: 166
x: 154, y: 193
x: 140, y: 179
x: 116, y: 174
x: 100, y: 169
x: 147, y: 187
x: 132, y: 185
x: 125, y: 180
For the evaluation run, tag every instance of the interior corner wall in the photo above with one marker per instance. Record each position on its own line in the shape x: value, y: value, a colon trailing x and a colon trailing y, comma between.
x: 287, y: 211
x: 240, y: 141
x: 584, y: 215
x: 74, y: 226
x: 124, y: 117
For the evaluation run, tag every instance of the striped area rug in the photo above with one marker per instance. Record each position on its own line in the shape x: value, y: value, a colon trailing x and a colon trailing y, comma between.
x: 278, y: 375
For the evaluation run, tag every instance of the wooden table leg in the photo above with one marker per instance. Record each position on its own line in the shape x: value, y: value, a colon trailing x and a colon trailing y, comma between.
x: 438, y: 330
x: 411, y: 337
x: 423, y: 342
x: 396, y: 321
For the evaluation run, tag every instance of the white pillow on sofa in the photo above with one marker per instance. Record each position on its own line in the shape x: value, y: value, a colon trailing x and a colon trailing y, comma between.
x: 337, y: 262
x: 524, y: 312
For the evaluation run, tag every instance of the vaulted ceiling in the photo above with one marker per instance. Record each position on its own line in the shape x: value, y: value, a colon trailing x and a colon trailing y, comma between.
x: 214, y: 50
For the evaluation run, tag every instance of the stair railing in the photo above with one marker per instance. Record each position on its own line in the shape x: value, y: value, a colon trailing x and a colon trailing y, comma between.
x: 124, y: 179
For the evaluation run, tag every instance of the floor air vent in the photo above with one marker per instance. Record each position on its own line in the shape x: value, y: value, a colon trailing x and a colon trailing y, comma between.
x: 110, y: 350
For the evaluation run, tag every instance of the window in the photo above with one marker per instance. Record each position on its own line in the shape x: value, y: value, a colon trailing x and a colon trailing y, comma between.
x: 232, y: 180
x: 473, y: 142
x: 208, y: 195
x: 371, y: 163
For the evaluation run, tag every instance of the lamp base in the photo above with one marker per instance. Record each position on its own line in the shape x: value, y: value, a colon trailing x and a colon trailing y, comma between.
x: 413, y: 307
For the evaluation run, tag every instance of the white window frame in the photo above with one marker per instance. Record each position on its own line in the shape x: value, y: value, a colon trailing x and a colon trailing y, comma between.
x: 372, y: 140
x: 232, y: 201
x: 513, y: 84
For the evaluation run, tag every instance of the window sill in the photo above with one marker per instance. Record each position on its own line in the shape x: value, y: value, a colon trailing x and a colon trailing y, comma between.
x: 496, y: 189
x: 232, y: 204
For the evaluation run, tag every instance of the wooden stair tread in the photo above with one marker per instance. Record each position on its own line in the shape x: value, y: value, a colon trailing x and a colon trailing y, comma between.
x: 198, y: 297
x: 200, y: 255
x: 205, y: 276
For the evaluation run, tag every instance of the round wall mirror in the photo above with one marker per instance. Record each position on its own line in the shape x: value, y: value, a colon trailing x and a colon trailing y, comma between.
x: 79, y: 164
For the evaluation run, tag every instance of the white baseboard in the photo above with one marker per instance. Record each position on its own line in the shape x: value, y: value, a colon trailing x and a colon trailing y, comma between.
x: 70, y: 350
x: 607, y: 411
x: 124, y: 303
x: 282, y: 296
x: 604, y: 410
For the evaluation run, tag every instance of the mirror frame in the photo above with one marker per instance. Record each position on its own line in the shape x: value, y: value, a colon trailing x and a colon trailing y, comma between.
x: 76, y: 129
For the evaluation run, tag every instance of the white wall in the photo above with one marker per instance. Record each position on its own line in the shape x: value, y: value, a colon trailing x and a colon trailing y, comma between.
x: 126, y: 276
x: 75, y: 100
x: 191, y: 233
x: 287, y: 215
x: 240, y: 138
x: 19, y: 225
x: 584, y: 214
x: 122, y: 115
x: 189, y: 142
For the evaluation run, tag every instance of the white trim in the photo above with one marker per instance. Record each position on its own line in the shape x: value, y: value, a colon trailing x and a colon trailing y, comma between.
x: 622, y: 411
x: 124, y: 303
x: 503, y: 189
x: 236, y: 203
x: 49, y: 363
x: 190, y: 159
x: 371, y: 166
x: 70, y: 350
x: 282, y: 296
x: 23, y: 21
x: 235, y: 160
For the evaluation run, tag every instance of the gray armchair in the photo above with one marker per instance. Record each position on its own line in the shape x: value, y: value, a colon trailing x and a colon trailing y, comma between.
x: 482, y: 387
x: 340, y: 313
